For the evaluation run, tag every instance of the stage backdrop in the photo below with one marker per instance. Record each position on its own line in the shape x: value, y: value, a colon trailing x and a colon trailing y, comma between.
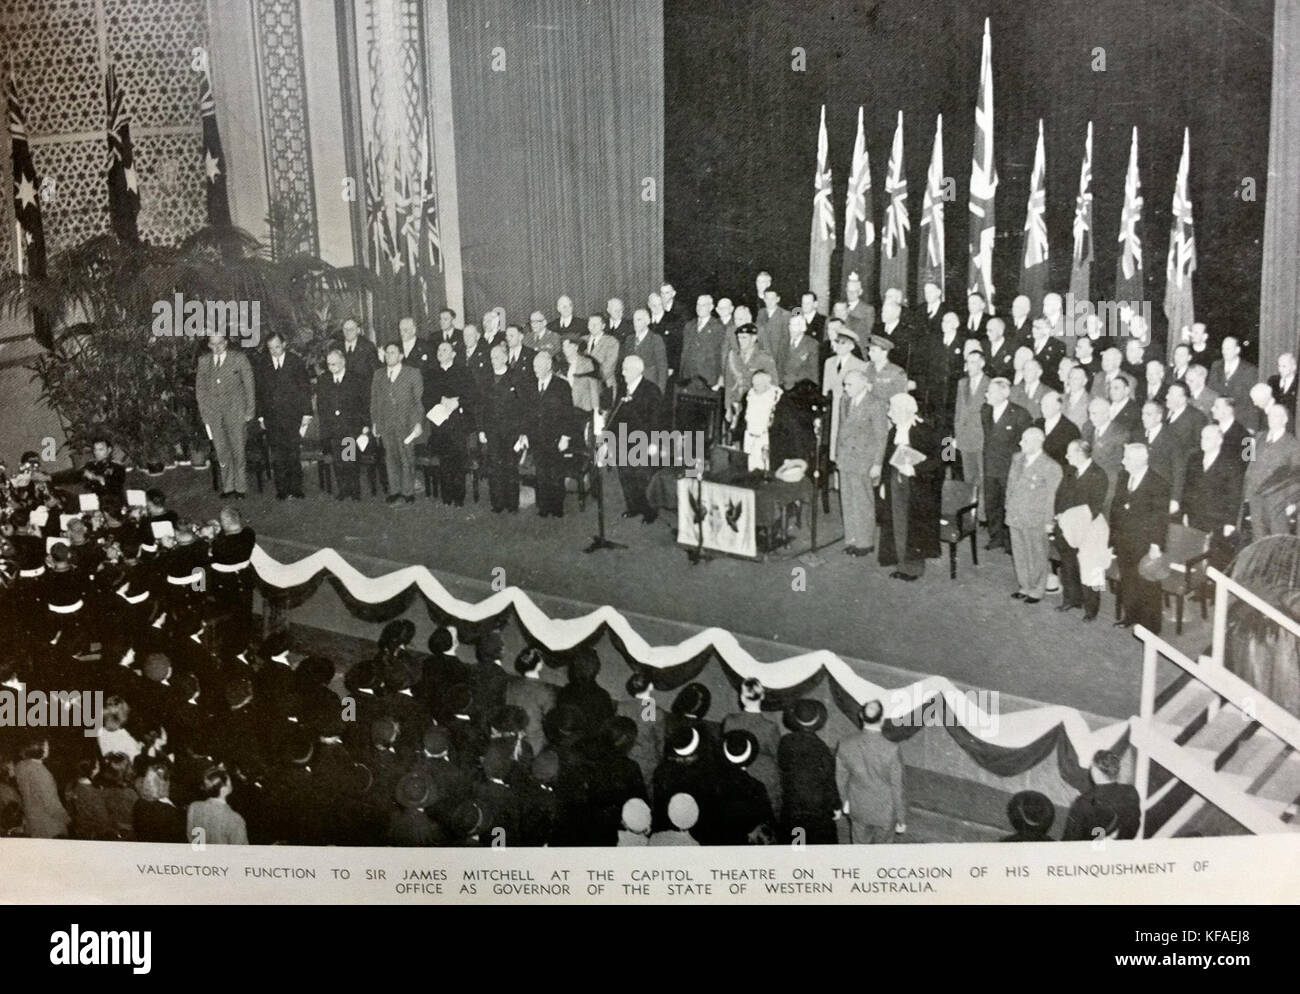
x: 742, y: 130
x: 559, y: 150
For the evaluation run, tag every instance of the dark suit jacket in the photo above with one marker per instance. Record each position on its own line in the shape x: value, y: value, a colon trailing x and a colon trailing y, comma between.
x: 1288, y: 398
x: 1059, y: 438
x: 1234, y: 439
x: 344, y: 408
x: 362, y: 359
x: 1001, y: 363
x: 639, y: 410
x: 1212, y: 498
x: 1090, y: 489
x: 283, y: 395
x: 503, y: 414
x: 937, y: 369
x: 551, y: 414
x: 1093, y: 809
x: 1139, y: 519
x: 454, y: 381
x: 1049, y: 357
x: 1187, y: 429
x: 1002, y: 437
x: 422, y: 353
x: 1237, y: 387
x: 653, y: 353
x: 1130, y: 416
x: 1168, y: 458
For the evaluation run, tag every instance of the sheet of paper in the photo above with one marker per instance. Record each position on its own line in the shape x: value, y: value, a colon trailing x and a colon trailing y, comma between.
x: 438, y: 414
x: 162, y: 529
x: 135, y: 498
x: 88, y: 502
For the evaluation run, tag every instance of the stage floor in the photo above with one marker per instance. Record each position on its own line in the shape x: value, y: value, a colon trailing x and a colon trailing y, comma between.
x: 969, y: 629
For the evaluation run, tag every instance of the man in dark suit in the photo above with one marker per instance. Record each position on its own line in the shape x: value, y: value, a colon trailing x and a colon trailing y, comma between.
x: 1003, y: 423
x: 343, y: 410
x: 1212, y: 494
x: 636, y: 412
x: 929, y: 316
x: 1058, y: 430
x: 447, y: 331
x: 550, y: 428
x: 999, y: 353
x: 617, y: 323
x: 1233, y: 377
x: 1082, y: 484
x: 1139, y: 521
x: 650, y: 347
x: 1124, y: 411
x: 814, y: 321
x: 1165, y: 455
x: 1183, y: 421
x: 449, y: 385
x: 977, y: 320
x: 1224, y: 414
x: 1283, y: 385
x: 284, y: 412
x: 359, y: 352
x: 519, y: 357
x: 502, y: 421
x: 565, y: 323
x: 417, y: 352
x: 1108, y: 805
x: 937, y: 367
x: 1047, y: 350
x: 1020, y: 328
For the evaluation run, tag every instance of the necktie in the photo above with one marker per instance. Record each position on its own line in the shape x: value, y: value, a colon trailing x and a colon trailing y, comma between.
x: 219, y: 358
x: 338, y: 380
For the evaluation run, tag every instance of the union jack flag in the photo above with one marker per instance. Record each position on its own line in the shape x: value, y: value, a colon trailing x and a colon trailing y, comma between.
x: 893, y: 265
x: 983, y: 181
x: 1182, y: 254
x: 1128, y: 277
x: 931, y: 268
x: 859, y: 230
x: 383, y: 245
x: 428, y: 209
x: 1081, y: 261
x: 823, y: 223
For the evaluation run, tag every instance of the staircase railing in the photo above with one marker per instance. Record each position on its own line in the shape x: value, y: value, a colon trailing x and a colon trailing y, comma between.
x: 1227, y: 687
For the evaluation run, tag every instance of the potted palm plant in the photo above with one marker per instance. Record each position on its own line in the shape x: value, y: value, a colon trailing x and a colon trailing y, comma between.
x: 111, y: 373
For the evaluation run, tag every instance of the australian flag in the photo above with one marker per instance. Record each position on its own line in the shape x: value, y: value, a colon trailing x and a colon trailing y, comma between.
x: 123, y: 185
x: 214, y: 163
x: 27, y: 209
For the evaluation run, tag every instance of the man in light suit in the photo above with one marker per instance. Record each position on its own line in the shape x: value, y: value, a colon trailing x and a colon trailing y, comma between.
x: 1031, y: 495
x: 869, y: 776
x: 837, y: 367
x: 397, y: 415
x: 860, y: 450
x: 1199, y: 395
x: 227, y: 397
x: 650, y: 347
x: 859, y: 315
x: 602, y: 349
x: 968, y: 426
x: 1074, y: 402
x: 704, y: 343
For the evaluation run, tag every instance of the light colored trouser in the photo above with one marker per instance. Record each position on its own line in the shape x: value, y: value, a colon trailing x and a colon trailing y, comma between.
x: 858, y: 507
x: 972, y: 471
x: 399, y: 461
x: 869, y: 835
x: 1029, y: 552
x: 229, y: 433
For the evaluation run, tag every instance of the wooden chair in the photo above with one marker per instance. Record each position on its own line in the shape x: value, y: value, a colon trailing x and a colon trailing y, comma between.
x: 1186, y: 552
x: 958, y: 520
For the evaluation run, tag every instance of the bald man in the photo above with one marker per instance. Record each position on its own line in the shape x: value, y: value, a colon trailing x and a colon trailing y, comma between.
x: 1031, y: 498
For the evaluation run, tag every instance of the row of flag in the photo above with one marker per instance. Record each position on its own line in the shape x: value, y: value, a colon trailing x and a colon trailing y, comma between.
x: 122, y: 180
x: 401, y: 219
x: 860, y: 233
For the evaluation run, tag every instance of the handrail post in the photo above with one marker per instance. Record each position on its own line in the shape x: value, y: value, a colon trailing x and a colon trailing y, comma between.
x: 1219, y: 637
x: 1146, y: 712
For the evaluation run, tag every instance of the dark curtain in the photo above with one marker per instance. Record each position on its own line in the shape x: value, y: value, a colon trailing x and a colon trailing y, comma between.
x: 553, y: 152
x: 1280, y: 289
x: 742, y: 121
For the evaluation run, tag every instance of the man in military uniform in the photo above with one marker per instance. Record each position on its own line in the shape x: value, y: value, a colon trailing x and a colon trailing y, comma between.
x: 104, y: 477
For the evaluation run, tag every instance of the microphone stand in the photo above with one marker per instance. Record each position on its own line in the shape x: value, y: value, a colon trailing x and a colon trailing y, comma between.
x: 599, y: 541
x: 811, y: 558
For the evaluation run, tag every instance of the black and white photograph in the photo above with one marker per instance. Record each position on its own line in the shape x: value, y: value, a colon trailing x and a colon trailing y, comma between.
x: 852, y: 442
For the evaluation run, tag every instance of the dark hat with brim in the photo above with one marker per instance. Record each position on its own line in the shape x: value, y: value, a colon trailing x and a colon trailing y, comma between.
x: 740, y: 747
x: 1031, y: 812
x: 413, y: 790
x: 805, y: 715
x: 881, y: 342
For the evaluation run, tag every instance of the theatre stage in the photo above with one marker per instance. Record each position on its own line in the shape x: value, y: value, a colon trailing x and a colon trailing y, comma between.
x: 968, y: 629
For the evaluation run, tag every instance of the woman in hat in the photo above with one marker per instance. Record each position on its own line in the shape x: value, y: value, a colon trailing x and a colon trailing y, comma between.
x: 910, y: 490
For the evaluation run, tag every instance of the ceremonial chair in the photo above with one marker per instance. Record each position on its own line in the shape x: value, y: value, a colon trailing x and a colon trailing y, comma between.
x: 958, y: 520
x: 1186, y: 551
x: 699, y: 412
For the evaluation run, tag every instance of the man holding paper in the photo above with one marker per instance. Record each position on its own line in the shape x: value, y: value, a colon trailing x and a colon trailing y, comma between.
x: 396, y: 413
x: 448, y: 386
x: 103, y: 477
x: 501, y: 430
x: 284, y: 412
x: 227, y: 399
x: 549, y: 432
x: 909, y: 532
x: 342, y: 405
